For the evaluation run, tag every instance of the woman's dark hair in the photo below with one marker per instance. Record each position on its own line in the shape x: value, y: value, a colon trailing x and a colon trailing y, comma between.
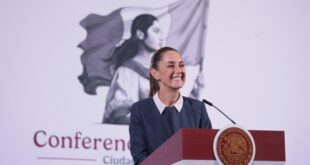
x: 154, y: 86
x: 130, y: 47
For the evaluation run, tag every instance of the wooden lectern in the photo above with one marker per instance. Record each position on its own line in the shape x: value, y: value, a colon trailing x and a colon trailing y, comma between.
x: 195, y: 147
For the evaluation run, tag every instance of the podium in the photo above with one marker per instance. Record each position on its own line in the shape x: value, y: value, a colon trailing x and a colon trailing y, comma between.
x: 195, y: 147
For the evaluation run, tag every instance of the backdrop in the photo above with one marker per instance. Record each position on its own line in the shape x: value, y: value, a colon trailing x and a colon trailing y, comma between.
x: 255, y: 68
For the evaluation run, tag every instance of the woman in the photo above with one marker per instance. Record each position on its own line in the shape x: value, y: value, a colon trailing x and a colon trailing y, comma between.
x: 132, y: 60
x: 155, y: 119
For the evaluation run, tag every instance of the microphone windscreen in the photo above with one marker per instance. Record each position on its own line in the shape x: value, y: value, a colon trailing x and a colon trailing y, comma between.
x: 207, y: 102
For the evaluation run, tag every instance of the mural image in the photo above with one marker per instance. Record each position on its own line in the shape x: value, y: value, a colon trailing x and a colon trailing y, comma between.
x: 130, y: 81
x: 118, y: 48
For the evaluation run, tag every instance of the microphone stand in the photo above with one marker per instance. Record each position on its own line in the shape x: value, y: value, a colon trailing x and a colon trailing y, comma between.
x: 210, y: 104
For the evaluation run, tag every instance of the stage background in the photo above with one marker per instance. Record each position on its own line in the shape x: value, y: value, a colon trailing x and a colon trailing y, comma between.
x: 256, y: 70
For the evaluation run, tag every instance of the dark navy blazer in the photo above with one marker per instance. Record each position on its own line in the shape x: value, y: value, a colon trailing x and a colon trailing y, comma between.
x: 149, y: 128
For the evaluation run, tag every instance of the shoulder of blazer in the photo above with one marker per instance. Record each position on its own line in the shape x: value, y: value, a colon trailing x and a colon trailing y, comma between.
x: 191, y: 100
x: 142, y: 104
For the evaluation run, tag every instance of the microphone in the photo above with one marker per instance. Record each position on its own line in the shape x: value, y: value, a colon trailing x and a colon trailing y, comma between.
x: 210, y: 104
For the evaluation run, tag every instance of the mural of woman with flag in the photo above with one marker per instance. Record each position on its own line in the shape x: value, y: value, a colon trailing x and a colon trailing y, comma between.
x: 130, y: 80
x: 108, y: 55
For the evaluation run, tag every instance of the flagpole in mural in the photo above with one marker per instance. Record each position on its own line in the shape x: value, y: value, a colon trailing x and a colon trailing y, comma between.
x: 118, y: 47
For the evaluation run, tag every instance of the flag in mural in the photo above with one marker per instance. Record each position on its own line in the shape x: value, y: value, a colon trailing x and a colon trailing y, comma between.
x: 118, y: 47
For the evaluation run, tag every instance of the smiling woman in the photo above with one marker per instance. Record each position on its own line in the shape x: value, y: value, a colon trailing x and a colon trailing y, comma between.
x: 169, y: 72
x: 155, y: 119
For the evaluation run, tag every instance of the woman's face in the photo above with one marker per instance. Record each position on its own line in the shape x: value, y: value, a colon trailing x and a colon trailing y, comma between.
x: 154, y: 39
x: 171, y: 72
